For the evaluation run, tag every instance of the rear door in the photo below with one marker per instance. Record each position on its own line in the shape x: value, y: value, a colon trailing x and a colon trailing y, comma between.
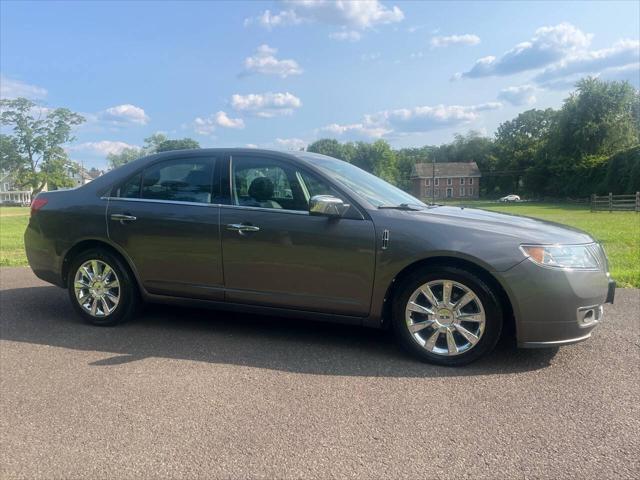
x: 166, y: 218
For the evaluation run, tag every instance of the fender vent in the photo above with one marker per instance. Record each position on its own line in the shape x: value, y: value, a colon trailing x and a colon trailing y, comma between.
x: 385, y: 239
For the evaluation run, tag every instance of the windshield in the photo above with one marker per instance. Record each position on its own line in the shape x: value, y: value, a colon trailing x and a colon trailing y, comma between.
x: 375, y: 190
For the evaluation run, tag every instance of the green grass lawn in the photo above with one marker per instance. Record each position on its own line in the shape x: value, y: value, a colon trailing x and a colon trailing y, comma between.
x: 619, y: 232
x: 13, y: 221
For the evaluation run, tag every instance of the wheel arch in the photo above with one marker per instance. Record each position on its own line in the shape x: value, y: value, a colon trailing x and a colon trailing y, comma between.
x: 509, y: 327
x: 89, y: 243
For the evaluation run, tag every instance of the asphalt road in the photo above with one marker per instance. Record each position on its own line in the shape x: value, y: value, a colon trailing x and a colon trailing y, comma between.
x: 184, y: 393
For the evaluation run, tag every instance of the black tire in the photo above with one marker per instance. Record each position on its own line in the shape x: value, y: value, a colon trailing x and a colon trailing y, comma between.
x: 492, y: 309
x: 128, y: 292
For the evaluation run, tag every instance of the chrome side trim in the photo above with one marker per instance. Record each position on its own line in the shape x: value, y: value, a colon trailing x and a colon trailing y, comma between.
x: 554, y: 343
x: 264, y: 209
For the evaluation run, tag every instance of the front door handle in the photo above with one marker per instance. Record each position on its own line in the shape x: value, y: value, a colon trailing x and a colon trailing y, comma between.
x: 242, y: 228
x: 122, y: 217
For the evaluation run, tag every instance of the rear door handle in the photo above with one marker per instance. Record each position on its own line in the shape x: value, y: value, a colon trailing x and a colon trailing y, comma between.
x: 122, y: 217
x: 242, y: 228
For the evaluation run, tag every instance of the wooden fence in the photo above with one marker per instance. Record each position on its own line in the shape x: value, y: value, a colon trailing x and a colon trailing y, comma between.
x: 612, y: 203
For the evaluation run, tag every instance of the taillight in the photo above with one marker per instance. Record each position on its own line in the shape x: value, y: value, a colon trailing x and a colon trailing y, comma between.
x: 37, y: 204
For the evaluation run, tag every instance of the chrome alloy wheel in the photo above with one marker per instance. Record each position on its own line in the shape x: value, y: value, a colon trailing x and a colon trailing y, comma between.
x: 445, y: 317
x: 97, y: 288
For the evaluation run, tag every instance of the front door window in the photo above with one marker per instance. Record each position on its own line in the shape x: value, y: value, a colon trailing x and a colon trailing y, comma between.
x: 269, y: 183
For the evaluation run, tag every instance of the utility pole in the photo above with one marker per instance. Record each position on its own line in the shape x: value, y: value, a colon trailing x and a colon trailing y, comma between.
x: 433, y: 180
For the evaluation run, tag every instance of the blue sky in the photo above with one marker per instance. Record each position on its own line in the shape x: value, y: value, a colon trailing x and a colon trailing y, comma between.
x: 282, y: 74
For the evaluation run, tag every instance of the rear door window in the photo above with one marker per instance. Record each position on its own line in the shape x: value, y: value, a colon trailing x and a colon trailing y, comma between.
x: 130, y: 188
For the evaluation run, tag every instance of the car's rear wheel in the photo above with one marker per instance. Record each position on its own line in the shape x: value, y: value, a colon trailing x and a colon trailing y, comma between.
x: 447, y: 316
x: 101, y: 288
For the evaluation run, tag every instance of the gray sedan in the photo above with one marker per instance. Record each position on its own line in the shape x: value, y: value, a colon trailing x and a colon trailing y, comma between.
x: 309, y: 236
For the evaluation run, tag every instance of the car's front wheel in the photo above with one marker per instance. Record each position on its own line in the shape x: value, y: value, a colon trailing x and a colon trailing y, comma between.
x: 446, y: 315
x: 101, y: 288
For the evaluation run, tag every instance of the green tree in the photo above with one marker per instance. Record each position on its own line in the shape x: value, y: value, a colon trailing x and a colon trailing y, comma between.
x: 152, y: 143
x: 9, y: 155
x: 599, y: 118
x: 125, y: 156
x: 518, y: 146
x: 34, y: 150
x: 596, y: 121
x: 180, y: 144
x: 156, y: 143
x: 377, y: 158
x: 159, y: 142
x: 328, y: 146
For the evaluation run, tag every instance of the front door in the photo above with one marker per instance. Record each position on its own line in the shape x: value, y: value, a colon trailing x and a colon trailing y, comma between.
x: 166, y: 220
x: 276, y: 254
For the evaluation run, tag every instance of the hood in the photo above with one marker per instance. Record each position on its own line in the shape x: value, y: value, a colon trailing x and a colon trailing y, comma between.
x: 523, y: 229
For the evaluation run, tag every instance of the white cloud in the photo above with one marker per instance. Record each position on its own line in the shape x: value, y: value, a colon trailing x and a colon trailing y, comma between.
x: 124, y: 114
x: 266, y: 104
x: 223, y: 120
x: 519, y: 95
x: 207, y: 125
x: 426, y: 118
x: 410, y: 120
x: 358, y: 15
x: 370, y: 57
x: 355, y: 131
x: 346, y: 36
x: 264, y: 61
x: 621, y: 54
x: 103, y: 147
x: 629, y: 73
x: 251, y: 145
x: 269, y: 20
x: 447, y: 41
x: 11, y: 88
x: 547, y: 46
x: 291, y: 143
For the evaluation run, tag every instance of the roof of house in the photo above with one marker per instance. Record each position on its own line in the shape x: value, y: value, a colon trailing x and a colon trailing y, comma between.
x: 446, y: 169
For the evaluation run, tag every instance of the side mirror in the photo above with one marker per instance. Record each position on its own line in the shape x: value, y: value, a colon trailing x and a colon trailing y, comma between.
x: 327, y: 206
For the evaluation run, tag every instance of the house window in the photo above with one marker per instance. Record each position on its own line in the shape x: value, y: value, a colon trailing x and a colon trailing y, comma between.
x: 437, y: 192
x: 428, y: 192
x: 462, y: 181
x: 449, y: 181
x: 6, y: 187
x: 437, y: 182
x: 428, y: 182
x: 462, y: 191
x: 471, y: 191
x: 471, y: 181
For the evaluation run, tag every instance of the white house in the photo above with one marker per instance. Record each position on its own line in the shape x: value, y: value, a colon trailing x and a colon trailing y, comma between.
x: 10, y: 193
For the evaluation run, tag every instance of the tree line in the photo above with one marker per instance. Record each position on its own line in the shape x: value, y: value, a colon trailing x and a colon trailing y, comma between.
x: 590, y: 145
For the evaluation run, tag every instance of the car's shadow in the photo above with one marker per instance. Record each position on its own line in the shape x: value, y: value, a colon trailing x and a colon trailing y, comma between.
x: 43, y: 315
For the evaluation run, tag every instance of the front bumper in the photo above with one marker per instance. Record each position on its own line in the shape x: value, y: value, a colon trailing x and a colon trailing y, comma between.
x: 556, y: 307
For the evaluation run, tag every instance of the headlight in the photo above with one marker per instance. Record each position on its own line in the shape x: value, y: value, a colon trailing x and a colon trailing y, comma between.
x: 578, y: 257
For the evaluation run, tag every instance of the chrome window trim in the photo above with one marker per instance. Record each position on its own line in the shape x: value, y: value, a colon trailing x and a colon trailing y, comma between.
x: 197, y: 204
x: 171, y: 202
